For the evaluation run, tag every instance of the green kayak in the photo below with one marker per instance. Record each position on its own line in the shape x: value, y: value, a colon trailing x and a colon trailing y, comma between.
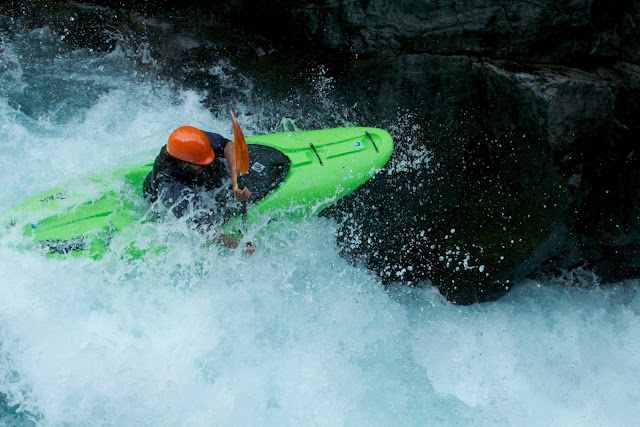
x: 292, y: 175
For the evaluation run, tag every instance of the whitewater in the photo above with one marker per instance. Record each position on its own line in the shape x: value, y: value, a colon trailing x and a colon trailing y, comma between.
x: 292, y: 335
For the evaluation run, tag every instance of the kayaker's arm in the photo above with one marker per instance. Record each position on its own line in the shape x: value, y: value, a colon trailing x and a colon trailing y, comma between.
x: 230, y: 154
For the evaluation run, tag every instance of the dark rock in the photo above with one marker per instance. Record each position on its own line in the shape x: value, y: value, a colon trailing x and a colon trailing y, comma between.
x: 544, y: 31
x: 494, y: 203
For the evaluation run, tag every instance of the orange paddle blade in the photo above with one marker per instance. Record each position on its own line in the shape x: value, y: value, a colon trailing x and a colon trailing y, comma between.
x: 242, y: 153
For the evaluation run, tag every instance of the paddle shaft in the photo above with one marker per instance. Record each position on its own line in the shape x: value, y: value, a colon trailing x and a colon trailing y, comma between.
x: 243, y: 209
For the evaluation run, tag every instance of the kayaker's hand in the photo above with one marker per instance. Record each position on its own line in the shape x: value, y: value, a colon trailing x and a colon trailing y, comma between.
x: 242, y: 195
x: 249, y: 249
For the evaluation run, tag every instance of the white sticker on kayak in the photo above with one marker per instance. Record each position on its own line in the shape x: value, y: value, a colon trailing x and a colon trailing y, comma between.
x: 258, y: 167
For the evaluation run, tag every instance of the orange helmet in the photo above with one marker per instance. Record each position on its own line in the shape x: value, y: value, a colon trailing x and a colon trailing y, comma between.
x: 190, y: 145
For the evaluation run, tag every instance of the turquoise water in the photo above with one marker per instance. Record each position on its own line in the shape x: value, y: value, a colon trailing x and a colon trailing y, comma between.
x: 292, y: 335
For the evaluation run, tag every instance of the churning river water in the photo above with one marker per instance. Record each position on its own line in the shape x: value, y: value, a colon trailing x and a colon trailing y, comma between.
x: 292, y: 335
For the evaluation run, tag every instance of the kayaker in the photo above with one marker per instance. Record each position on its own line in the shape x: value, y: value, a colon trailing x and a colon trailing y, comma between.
x: 188, y: 170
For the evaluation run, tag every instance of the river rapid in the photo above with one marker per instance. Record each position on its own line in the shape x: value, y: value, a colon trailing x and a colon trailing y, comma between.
x: 293, y: 334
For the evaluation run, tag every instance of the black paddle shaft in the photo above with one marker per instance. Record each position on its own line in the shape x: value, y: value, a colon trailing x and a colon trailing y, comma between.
x: 244, y: 202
